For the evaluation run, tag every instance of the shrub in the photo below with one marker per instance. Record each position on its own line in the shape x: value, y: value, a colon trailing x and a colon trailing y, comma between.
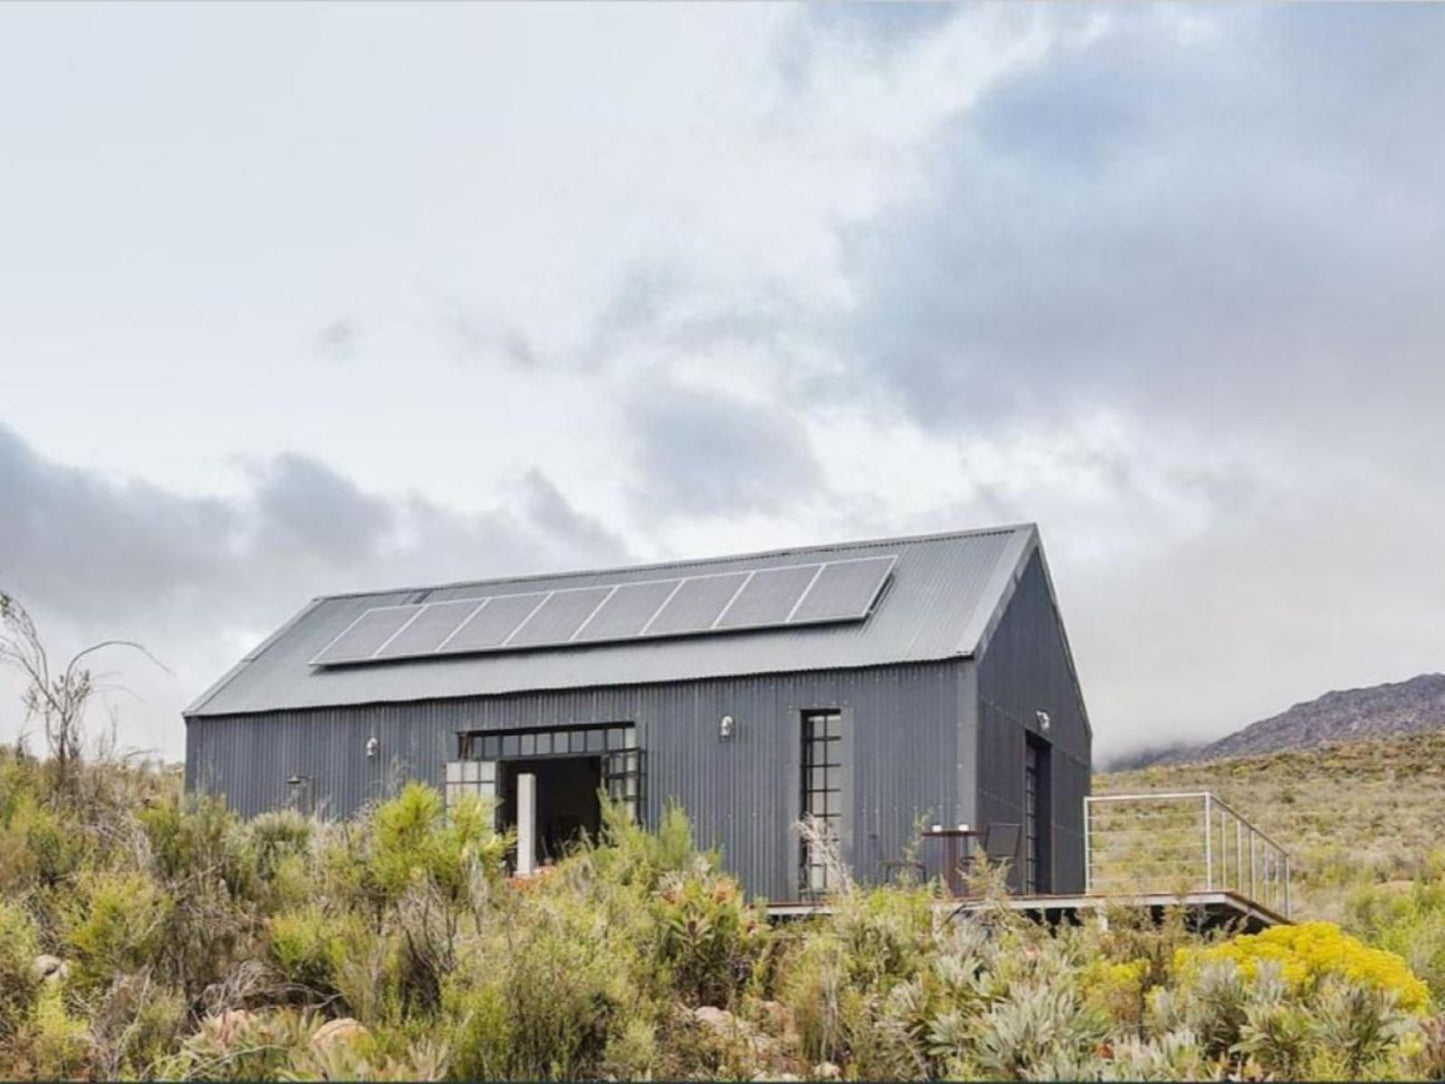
x: 1308, y: 953
x: 708, y: 937
x: 310, y: 948
x: 19, y: 945
x: 1410, y: 923
x: 60, y: 1043
x: 413, y: 838
x: 120, y: 925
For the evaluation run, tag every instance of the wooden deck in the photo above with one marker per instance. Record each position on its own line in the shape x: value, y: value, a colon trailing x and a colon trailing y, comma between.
x: 1206, y: 910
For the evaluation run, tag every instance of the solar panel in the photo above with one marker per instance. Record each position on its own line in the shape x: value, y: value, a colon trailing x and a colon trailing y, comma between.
x: 607, y: 613
x: 490, y: 626
x: 432, y: 624
x: 627, y: 612
x: 367, y: 633
x: 768, y: 597
x: 559, y: 617
x: 844, y: 590
x: 695, y: 605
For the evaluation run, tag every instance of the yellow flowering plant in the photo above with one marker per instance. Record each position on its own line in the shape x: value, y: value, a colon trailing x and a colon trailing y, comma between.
x: 1306, y: 954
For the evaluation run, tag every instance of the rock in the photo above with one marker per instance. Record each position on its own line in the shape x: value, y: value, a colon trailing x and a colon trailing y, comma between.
x: 717, y: 1019
x: 826, y: 1070
x: 342, y: 1030
x: 48, y: 968
x: 776, y: 1076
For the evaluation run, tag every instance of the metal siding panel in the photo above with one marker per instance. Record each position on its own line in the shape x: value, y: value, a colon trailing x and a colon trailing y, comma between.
x: 742, y: 794
x: 1025, y: 669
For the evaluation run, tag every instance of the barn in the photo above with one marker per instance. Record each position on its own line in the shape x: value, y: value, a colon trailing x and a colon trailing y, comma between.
x: 879, y: 686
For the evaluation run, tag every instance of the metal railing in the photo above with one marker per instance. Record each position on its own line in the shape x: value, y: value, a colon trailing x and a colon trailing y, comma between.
x: 1138, y: 844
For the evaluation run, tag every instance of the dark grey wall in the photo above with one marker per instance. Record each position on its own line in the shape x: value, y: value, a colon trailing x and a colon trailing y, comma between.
x: 1024, y: 669
x: 743, y: 794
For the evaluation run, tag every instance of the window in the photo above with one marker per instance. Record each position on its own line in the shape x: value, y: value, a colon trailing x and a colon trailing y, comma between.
x: 615, y: 744
x: 822, y: 793
x: 622, y: 777
x: 1036, y: 816
x: 476, y: 777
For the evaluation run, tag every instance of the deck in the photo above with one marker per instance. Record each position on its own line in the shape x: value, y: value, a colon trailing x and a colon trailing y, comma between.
x: 1204, y: 910
x: 1153, y: 851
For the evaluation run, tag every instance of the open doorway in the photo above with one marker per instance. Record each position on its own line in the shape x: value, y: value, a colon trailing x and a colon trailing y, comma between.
x: 567, y: 805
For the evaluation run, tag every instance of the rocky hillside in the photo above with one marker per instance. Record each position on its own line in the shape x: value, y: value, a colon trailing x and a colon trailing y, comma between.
x: 1403, y: 707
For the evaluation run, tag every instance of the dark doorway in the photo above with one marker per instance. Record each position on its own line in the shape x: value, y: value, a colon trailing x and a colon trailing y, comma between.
x: 1037, y: 817
x: 567, y: 803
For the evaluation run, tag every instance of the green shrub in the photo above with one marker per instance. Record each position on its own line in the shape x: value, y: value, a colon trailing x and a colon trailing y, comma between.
x: 414, y: 838
x: 1410, y: 923
x: 60, y: 1044
x: 188, y: 834
x: 311, y: 948
x: 19, y: 945
x: 708, y: 937
x: 120, y: 925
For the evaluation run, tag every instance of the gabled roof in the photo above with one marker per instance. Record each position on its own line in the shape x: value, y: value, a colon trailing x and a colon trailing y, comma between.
x: 946, y: 594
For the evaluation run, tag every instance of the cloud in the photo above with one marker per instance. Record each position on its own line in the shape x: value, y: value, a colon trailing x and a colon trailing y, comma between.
x: 1225, y: 229
x: 707, y: 453
x: 198, y: 580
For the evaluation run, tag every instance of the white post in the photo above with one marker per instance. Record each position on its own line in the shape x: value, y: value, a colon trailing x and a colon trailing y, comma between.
x: 1088, y: 853
x: 1208, y: 842
x: 1239, y: 853
x: 526, y: 824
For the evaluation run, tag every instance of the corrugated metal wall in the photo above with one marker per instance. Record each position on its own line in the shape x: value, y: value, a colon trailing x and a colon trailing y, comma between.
x: 1025, y: 669
x: 742, y: 795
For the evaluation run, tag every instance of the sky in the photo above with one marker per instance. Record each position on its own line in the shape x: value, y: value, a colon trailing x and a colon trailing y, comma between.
x: 297, y: 299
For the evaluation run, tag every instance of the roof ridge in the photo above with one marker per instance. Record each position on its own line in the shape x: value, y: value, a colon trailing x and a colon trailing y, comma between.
x: 786, y: 551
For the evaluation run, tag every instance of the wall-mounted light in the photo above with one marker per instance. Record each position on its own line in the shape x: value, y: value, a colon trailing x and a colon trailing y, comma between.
x: 372, y: 745
x: 304, y: 786
x: 725, y: 728
x: 1043, y: 718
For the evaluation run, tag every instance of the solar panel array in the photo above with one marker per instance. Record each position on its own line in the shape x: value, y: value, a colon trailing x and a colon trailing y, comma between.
x: 762, y: 598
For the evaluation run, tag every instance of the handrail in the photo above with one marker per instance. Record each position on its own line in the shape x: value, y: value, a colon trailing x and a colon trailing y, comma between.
x: 1215, y: 859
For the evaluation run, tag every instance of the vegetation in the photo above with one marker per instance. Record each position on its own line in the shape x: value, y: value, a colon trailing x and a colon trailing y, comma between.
x: 153, y: 935
x: 1362, y: 819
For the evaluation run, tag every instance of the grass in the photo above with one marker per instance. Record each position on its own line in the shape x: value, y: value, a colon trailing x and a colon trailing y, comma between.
x: 1353, y: 814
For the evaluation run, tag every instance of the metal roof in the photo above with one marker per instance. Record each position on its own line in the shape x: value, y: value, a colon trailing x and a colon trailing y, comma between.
x: 945, y: 596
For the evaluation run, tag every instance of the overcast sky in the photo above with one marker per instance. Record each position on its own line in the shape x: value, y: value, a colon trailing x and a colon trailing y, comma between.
x: 305, y: 298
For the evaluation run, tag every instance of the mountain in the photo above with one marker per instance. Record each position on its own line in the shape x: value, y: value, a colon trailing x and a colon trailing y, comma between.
x: 1402, y: 707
